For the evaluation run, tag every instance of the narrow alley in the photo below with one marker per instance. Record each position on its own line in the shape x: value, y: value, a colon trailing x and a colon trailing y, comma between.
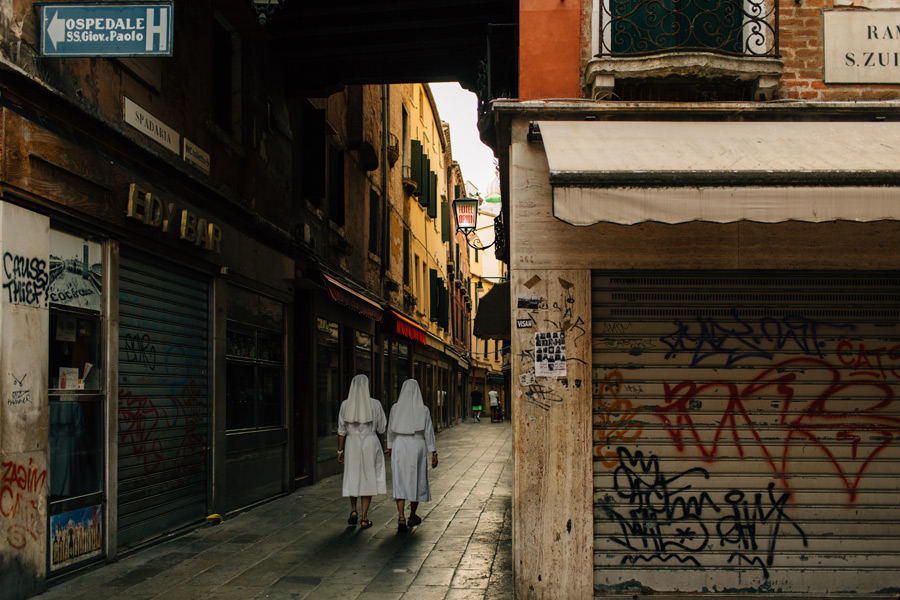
x: 300, y: 546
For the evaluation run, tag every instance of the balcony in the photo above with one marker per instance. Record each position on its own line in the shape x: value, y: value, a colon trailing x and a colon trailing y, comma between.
x: 733, y: 41
x: 393, y: 148
x: 409, y: 181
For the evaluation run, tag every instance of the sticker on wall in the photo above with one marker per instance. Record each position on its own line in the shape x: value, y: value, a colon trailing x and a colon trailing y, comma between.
x: 76, y: 276
x: 531, y: 302
x: 550, y: 354
x: 524, y: 323
x: 526, y: 379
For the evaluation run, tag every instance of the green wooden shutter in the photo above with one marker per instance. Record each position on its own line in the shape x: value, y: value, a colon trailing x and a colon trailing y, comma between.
x: 434, y: 298
x: 415, y: 164
x: 445, y: 221
x: 426, y: 181
x: 432, y: 195
x: 444, y: 307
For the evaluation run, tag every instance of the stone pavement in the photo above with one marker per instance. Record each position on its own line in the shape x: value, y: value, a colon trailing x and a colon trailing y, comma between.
x: 300, y: 546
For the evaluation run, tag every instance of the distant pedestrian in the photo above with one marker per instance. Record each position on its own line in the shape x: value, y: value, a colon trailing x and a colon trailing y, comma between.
x: 495, y: 405
x: 477, y: 403
x: 410, y: 435
x: 360, y: 420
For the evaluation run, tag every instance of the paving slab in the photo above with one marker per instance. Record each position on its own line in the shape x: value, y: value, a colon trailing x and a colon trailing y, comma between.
x: 300, y: 546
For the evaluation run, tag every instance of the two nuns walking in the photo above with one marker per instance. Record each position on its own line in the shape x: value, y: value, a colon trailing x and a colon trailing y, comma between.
x: 410, y: 439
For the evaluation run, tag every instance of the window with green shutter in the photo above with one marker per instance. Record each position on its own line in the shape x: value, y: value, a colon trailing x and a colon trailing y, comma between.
x: 425, y: 185
x: 434, y: 297
x: 445, y: 222
x: 432, y: 195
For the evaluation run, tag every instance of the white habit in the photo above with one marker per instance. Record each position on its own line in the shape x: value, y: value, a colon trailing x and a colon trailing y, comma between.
x: 410, y: 437
x: 363, y: 457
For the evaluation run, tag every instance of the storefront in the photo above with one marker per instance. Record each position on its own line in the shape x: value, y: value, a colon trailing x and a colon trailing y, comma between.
x: 704, y: 327
x: 148, y: 319
x: 345, y: 343
x: 256, y: 387
x: 77, y: 394
x: 164, y: 411
x: 402, y: 335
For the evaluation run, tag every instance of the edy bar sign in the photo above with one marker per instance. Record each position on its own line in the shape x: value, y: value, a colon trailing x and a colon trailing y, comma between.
x: 106, y: 29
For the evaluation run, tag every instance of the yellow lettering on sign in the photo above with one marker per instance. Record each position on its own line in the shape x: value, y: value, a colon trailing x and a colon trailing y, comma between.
x: 188, y: 226
x: 138, y: 203
x: 215, y: 238
x: 202, y: 239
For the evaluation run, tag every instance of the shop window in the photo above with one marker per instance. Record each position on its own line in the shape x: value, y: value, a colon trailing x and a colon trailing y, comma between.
x: 399, y: 369
x: 328, y: 392
x: 77, y: 401
x: 254, y: 361
x: 364, y: 354
x: 76, y: 405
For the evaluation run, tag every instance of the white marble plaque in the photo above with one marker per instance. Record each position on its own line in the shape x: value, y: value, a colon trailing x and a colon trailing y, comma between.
x: 862, y: 46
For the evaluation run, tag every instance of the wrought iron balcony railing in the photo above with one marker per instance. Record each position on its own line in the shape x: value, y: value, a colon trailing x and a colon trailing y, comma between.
x: 733, y: 27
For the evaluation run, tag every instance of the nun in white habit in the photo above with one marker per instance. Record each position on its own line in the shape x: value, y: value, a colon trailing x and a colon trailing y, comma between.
x: 360, y: 419
x: 410, y: 437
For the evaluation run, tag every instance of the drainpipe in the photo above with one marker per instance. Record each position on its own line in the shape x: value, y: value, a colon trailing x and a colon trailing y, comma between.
x: 385, y: 204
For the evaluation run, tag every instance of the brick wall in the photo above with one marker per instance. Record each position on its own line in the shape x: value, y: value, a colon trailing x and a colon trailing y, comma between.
x: 802, y: 48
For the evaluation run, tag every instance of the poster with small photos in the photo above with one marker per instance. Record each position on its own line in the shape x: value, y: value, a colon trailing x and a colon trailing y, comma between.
x: 550, y: 354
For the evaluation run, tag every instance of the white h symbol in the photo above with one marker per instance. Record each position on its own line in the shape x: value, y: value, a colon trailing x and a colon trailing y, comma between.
x: 157, y: 28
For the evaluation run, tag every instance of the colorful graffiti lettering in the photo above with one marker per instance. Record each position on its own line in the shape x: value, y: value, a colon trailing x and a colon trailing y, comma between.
x: 664, y: 519
x: 742, y: 341
x: 878, y: 363
x: 143, y: 426
x: 614, y: 419
x: 25, y: 279
x: 22, y: 494
x: 139, y: 349
x: 810, y: 418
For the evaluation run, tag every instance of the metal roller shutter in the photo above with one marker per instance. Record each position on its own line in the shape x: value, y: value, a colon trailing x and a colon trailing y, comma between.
x: 164, y: 411
x: 746, y: 433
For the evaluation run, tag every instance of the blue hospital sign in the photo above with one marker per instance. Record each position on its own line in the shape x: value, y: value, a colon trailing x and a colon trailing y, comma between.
x: 106, y: 29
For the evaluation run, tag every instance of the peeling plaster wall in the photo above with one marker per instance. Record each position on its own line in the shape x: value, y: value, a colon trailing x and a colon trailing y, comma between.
x: 24, y: 335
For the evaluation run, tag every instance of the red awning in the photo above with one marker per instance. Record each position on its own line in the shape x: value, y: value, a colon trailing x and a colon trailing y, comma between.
x: 408, y: 328
x: 343, y: 295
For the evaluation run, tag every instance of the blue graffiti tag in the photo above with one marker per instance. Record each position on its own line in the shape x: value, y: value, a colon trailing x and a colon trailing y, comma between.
x: 739, y: 340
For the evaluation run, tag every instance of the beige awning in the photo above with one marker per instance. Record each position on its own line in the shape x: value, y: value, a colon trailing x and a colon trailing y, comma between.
x: 634, y: 172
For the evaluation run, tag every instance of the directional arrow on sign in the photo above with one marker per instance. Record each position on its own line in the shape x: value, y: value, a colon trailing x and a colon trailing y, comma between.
x: 56, y: 30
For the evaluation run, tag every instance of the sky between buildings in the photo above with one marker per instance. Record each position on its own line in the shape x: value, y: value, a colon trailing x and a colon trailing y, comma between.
x: 459, y: 107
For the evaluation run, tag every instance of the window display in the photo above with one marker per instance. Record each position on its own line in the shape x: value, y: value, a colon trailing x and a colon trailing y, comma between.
x: 254, y: 345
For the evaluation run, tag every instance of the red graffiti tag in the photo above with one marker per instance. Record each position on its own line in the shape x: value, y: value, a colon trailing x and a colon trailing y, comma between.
x: 813, y: 420
x: 21, y: 500
x: 144, y: 425
x: 878, y: 363
x: 138, y: 418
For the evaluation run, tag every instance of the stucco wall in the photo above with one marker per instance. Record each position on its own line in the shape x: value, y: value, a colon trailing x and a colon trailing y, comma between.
x: 24, y: 335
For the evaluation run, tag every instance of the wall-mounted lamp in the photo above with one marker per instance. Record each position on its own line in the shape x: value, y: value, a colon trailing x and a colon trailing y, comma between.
x: 466, y: 211
x: 265, y: 9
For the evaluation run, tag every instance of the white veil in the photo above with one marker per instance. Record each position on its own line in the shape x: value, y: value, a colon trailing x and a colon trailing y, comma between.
x: 359, y: 405
x: 408, y: 415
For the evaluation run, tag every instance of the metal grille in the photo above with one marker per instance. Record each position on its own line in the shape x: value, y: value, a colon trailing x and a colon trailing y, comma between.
x: 164, y: 411
x: 642, y: 27
x: 746, y: 433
